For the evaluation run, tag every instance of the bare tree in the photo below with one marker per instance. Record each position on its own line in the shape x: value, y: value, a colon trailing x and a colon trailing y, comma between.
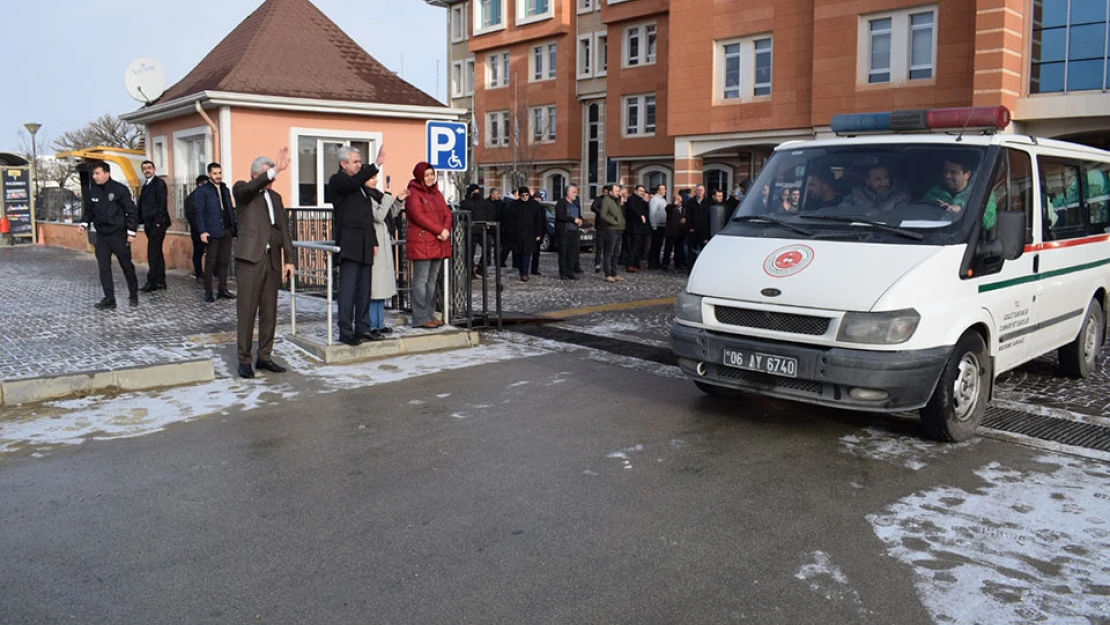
x: 527, y: 136
x: 47, y: 169
x: 106, y: 130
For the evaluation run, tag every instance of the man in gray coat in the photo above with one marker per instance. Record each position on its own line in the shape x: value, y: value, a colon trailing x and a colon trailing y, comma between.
x: 879, y: 194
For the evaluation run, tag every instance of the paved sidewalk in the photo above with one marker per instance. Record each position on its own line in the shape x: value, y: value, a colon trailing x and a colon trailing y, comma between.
x: 51, y: 328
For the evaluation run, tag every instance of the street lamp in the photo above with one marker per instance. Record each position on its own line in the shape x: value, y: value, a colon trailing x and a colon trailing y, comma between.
x: 33, y: 128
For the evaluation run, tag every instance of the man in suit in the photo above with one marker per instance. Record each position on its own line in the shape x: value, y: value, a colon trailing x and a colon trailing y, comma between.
x: 191, y: 217
x: 568, y: 218
x: 217, y: 224
x: 156, y: 221
x: 263, y: 239
x: 357, y: 241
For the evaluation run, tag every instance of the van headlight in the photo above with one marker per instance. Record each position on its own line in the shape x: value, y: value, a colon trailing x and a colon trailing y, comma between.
x: 884, y: 328
x: 687, y: 307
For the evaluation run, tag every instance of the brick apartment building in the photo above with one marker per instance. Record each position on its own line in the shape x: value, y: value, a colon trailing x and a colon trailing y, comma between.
x: 701, y: 90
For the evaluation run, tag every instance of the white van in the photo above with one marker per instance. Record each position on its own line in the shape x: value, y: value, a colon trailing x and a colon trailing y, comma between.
x: 914, y: 269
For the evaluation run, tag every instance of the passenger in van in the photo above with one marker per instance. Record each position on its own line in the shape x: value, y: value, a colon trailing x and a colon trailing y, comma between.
x: 785, y: 204
x: 878, y: 193
x: 796, y: 197
x: 821, y: 189
x: 953, y: 192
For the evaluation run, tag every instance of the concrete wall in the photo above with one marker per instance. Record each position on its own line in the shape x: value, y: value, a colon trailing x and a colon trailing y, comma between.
x: 178, y: 246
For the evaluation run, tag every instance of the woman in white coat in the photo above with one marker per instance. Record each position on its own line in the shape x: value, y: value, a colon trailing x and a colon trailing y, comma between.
x: 383, y: 278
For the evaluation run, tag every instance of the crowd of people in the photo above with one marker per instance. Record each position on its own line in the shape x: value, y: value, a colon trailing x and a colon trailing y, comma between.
x: 635, y: 229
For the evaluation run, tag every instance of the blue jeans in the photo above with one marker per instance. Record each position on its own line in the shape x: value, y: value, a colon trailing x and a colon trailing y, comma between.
x: 377, y: 314
x: 524, y: 263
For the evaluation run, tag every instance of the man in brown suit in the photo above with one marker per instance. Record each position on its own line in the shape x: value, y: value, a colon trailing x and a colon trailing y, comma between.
x: 263, y: 238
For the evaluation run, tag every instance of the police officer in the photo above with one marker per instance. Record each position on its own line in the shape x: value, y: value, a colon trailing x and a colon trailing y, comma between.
x: 108, y: 206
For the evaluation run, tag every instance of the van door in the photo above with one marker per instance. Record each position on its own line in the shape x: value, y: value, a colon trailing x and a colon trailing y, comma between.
x: 1063, y: 252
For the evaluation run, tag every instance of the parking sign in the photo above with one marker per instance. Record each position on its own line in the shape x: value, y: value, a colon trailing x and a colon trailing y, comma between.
x: 446, y: 143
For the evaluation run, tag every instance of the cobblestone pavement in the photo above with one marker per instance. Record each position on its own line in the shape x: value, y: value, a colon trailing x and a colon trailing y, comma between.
x: 50, y: 326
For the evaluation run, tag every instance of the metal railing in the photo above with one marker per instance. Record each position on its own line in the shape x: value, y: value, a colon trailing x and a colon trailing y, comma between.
x: 328, y: 249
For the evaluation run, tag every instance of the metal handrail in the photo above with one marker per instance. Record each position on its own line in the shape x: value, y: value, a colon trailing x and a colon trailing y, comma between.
x: 322, y: 246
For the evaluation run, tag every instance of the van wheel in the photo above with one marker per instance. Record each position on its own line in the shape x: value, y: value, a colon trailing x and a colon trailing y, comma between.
x: 717, y: 391
x: 960, y: 399
x: 1079, y: 359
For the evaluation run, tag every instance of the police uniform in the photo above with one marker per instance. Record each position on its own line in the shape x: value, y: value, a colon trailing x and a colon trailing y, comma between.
x: 109, y: 209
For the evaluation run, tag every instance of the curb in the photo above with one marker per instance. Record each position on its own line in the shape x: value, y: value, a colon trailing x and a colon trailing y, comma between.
x: 340, y: 353
x: 32, y: 390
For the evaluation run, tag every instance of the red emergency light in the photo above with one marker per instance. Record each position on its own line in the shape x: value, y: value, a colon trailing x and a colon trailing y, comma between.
x: 977, y: 118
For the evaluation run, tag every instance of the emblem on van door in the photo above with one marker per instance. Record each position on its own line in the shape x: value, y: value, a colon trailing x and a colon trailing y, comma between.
x: 787, y: 261
x: 771, y: 292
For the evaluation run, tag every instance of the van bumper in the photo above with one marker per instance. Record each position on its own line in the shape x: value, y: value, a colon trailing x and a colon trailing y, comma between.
x: 826, y: 376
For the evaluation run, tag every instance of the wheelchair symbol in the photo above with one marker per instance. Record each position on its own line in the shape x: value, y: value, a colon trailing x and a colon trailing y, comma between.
x: 454, y: 162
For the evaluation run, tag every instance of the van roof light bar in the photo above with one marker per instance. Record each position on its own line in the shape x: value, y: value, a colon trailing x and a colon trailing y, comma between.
x: 987, y: 119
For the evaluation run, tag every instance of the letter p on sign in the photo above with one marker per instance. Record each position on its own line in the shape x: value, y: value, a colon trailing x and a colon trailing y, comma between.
x: 446, y: 145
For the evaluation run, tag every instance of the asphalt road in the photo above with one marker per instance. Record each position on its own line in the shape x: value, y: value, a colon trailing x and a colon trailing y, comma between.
x: 553, y: 489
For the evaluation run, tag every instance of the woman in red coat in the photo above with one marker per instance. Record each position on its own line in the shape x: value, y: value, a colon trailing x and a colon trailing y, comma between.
x: 427, y: 242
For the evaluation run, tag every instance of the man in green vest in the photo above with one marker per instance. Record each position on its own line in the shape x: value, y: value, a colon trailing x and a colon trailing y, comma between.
x: 953, y: 193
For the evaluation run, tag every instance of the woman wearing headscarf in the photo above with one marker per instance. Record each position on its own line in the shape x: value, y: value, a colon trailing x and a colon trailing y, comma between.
x: 383, y: 277
x: 427, y: 242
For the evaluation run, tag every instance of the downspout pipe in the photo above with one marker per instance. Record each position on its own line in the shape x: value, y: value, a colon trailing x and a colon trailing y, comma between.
x: 215, y: 132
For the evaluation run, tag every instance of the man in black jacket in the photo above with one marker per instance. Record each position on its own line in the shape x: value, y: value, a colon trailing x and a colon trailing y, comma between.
x: 156, y: 221
x: 354, y: 234
x: 638, y: 227
x: 600, y: 226
x: 480, y: 211
x: 500, y: 207
x: 568, y: 219
x: 697, y: 224
x: 194, y: 232
x: 217, y: 223
x: 109, y: 208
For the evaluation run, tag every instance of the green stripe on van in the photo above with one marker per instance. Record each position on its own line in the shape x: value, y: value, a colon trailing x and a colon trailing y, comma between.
x: 994, y: 286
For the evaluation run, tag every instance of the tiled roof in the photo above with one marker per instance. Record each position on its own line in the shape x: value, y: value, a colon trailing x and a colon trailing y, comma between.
x: 289, y: 48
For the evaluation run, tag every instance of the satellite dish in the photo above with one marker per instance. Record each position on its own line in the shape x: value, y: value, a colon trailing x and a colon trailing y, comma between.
x: 145, y: 79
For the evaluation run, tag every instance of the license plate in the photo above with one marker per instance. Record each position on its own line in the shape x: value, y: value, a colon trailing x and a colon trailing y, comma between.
x: 587, y: 237
x: 764, y: 363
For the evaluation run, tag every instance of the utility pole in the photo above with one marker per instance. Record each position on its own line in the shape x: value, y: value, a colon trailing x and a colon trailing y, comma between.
x: 33, y: 128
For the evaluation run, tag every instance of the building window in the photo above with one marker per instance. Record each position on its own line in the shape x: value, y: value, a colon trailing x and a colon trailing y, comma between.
x: 543, y: 62
x: 543, y: 124
x: 458, y: 78
x: 896, y: 47
x: 652, y: 177
x: 158, y: 155
x: 191, y: 153
x: 585, y: 56
x: 468, y: 86
x: 639, y: 115
x: 717, y: 177
x: 1069, y: 48
x: 744, y: 68
x: 489, y: 15
x: 528, y: 11
x: 497, y: 129
x: 556, y: 185
x: 497, y: 70
x: 458, y: 23
x: 639, y: 45
x: 602, y: 61
x: 317, y: 159
x: 585, y: 6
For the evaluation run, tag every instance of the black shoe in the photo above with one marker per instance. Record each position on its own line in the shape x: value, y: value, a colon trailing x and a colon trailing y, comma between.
x: 208, y: 297
x: 106, y: 304
x: 149, y: 287
x: 572, y: 277
x: 385, y: 330
x: 269, y: 365
x: 133, y: 300
x: 225, y: 294
x: 353, y: 341
x: 597, y: 268
x: 368, y: 336
x: 245, y: 371
x: 376, y: 336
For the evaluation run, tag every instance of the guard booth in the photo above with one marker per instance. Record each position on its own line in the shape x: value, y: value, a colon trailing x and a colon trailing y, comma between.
x: 17, y: 218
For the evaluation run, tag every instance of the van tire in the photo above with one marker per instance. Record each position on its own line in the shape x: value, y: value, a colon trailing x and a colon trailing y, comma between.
x: 960, y: 399
x: 1079, y: 359
x: 717, y: 391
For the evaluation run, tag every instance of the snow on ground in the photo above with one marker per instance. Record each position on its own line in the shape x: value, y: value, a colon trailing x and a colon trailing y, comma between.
x: 1029, y: 546
x: 827, y: 580
x: 912, y: 453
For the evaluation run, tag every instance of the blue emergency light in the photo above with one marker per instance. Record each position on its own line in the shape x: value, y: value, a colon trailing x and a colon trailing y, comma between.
x: 979, y: 118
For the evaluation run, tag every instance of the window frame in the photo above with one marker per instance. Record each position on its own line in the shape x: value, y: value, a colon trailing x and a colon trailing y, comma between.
x: 540, y: 67
x: 728, y: 172
x: 901, y: 51
x: 521, y: 12
x: 746, y: 57
x: 325, y: 166
x: 158, y: 154
x: 585, y: 61
x: 641, y: 102
x: 458, y: 80
x: 545, y: 133
x: 1036, y: 36
x: 1073, y: 231
x: 495, y: 62
x: 601, y: 60
x: 500, y: 140
x: 459, y: 31
x: 644, y: 56
x: 477, y: 28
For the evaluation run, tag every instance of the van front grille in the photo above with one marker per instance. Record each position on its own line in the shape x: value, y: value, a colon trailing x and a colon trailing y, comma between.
x: 767, y: 320
x: 765, y: 379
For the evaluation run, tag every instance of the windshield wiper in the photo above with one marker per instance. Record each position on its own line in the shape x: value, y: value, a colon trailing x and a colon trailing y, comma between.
x: 773, y: 220
x: 848, y: 219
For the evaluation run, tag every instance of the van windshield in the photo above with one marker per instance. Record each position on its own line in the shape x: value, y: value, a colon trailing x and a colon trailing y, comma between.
x: 884, y: 193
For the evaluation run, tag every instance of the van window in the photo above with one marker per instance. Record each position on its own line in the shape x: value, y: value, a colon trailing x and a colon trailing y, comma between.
x: 1096, y: 194
x: 1021, y: 188
x: 1063, y: 212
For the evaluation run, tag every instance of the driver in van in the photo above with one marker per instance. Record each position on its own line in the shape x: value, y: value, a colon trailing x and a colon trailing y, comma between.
x: 953, y: 193
x: 821, y: 190
x: 880, y: 192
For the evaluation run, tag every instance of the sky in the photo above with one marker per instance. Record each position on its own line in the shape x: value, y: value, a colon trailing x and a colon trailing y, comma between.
x: 81, y: 48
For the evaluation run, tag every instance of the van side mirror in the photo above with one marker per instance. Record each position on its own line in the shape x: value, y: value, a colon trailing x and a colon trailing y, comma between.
x: 1010, y: 232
